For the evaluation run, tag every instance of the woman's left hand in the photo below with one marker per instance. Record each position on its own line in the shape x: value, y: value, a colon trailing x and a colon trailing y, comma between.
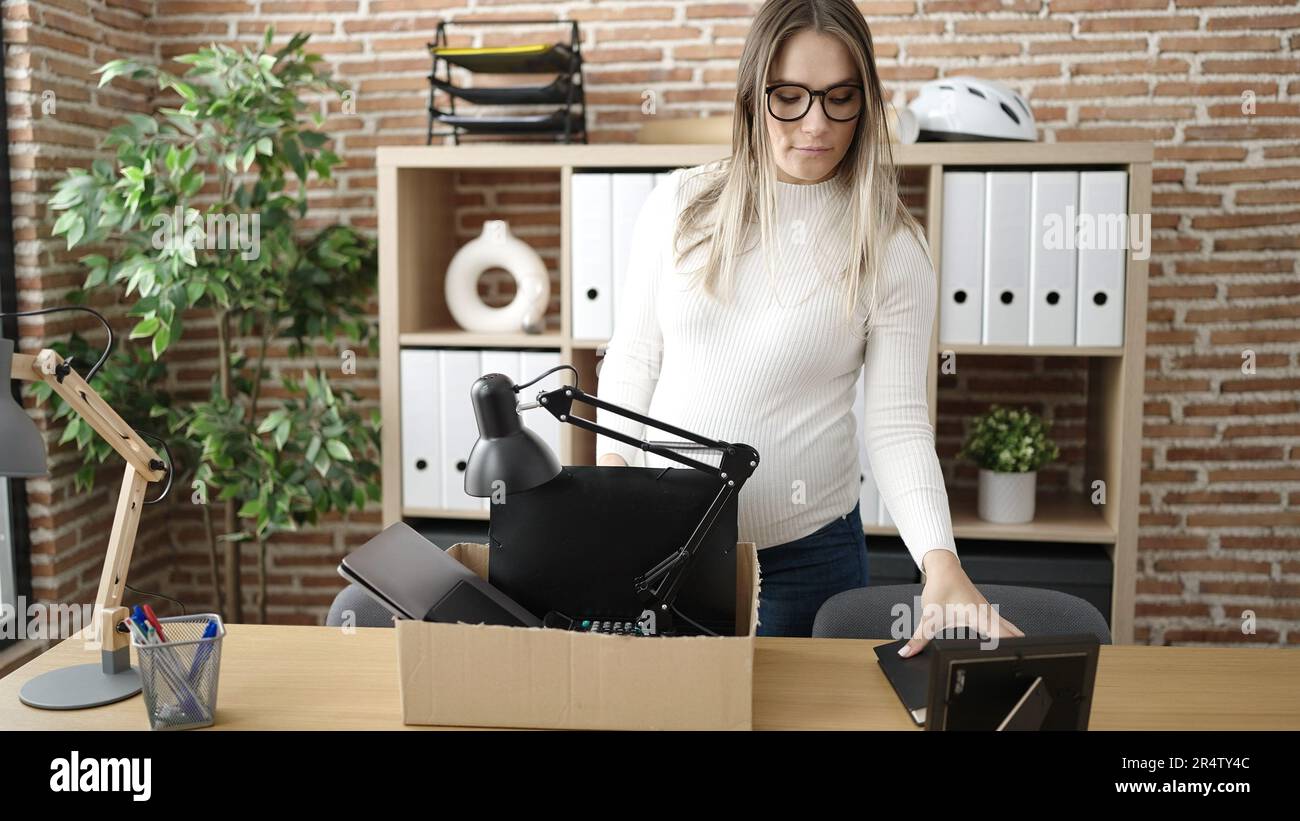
x: 950, y: 599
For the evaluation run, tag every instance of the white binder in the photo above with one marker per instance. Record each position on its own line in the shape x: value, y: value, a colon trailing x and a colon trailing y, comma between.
x: 498, y: 360
x: 1052, y: 284
x: 539, y: 420
x: 421, y: 412
x: 867, y: 493
x: 1006, y: 258
x: 592, y: 256
x: 629, y: 192
x: 459, y: 369
x: 1103, y: 205
x: 961, y: 258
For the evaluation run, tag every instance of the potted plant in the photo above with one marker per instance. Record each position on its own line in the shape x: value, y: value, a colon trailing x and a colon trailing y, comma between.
x: 1009, y: 446
x: 199, y: 217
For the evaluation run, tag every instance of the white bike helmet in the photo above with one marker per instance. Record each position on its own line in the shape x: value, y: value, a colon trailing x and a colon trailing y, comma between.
x: 959, y: 109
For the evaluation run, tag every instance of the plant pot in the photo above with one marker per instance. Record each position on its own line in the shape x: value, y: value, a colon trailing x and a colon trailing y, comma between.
x: 1007, y: 498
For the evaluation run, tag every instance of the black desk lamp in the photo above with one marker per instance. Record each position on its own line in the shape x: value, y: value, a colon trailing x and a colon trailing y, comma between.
x: 510, y: 457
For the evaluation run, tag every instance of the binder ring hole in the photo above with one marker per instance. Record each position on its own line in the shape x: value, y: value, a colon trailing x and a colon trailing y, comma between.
x: 1006, y: 297
x: 460, y: 466
x: 1099, y: 298
x: 1053, y: 297
x: 959, y: 297
x: 592, y: 293
x: 421, y: 464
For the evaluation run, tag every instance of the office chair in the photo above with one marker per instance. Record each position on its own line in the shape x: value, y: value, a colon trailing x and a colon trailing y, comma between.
x: 366, y: 612
x: 866, y: 612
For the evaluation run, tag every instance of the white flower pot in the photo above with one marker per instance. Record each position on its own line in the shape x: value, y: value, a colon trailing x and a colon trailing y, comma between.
x: 1007, y: 498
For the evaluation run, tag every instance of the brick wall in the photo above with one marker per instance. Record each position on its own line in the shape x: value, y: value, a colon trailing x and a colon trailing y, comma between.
x: 55, y: 118
x: 1219, y: 527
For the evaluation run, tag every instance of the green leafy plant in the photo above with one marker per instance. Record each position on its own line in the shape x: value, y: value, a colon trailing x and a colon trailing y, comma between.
x: 199, y: 214
x: 1009, y: 441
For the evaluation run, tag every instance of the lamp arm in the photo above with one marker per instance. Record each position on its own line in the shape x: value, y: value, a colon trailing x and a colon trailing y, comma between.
x: 671, y: 572
x: 559, y: 403
x: 50, y: 368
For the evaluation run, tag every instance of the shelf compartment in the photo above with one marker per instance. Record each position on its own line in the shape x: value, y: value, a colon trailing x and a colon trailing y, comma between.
x: 419, y: 253
x: 457, y: 338
x: 552, y: 123
x: 533, y: 58
x: 1057, y: 518
x: 639, y: 155
x: 973, y: 349
x: 443, y: 513
x: 557, y: 92
x: 1029, y: 350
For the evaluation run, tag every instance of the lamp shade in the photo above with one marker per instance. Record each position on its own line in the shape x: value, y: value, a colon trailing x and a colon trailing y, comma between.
x: 506, y: 451
x: 22, y: 451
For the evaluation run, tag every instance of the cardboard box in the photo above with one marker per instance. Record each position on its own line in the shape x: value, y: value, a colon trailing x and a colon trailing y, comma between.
x: 496, y: 676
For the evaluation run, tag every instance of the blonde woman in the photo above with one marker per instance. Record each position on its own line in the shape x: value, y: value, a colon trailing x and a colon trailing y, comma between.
x: 757, y: 288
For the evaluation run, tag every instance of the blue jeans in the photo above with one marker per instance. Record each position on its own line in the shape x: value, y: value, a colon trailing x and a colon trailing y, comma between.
x: 798, y: 576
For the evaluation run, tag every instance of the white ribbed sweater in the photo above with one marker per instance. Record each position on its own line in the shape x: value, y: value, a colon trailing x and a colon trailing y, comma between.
x: 777, y: 371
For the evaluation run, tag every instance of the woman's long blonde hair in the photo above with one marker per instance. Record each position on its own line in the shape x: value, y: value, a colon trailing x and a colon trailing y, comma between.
x: 729, y: 196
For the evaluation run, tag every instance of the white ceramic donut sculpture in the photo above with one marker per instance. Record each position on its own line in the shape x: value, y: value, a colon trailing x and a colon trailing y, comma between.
x: 496, y: 247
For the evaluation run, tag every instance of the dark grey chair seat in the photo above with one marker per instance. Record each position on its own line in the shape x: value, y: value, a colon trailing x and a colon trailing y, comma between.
x: 366, y: 612
x: 868, y: 612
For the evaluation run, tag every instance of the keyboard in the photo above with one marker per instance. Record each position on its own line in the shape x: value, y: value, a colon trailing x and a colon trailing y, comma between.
x: 641, y: 625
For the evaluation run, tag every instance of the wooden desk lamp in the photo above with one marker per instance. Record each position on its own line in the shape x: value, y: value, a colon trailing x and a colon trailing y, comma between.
x: 23, y: 455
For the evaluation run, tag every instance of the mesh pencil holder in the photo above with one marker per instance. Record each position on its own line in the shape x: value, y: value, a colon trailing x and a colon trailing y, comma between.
x: 179, y: 676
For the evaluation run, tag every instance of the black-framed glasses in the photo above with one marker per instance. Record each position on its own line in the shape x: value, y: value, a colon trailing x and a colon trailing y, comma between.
x: 791, y: 101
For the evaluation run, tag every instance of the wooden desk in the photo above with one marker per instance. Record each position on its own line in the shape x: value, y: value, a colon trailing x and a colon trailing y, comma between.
x: 320, y: 678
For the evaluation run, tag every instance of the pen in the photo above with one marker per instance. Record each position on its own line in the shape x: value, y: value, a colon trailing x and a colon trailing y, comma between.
x: 205, y: 649
x: 141, y: 626
x: 137, y: 615
x: 135, y: 631
x: 153, y: 621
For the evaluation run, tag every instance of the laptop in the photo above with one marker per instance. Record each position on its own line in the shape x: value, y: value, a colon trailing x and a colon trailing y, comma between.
x: 415, y: 579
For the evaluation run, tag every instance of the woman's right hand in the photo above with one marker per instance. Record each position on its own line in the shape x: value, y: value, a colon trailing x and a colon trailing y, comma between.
x: 612, y: 459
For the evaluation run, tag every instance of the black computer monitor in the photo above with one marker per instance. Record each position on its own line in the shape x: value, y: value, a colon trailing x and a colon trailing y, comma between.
x: 576, y: 543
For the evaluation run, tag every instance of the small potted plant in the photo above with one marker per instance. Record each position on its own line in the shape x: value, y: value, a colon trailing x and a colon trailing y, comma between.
x: 1009, y: 446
